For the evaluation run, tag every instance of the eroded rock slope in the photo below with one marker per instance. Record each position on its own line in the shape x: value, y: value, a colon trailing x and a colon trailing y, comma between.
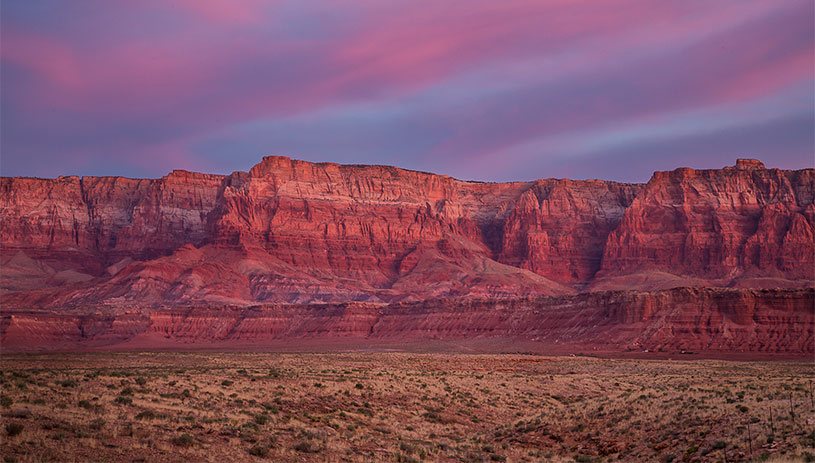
x: 287, y: 232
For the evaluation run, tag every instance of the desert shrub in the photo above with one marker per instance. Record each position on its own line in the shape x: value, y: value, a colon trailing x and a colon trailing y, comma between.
x: 308, y: 434
x: 271, y: 407
x: 259, y: 451
x: 126, y: 391
x: 14, y: 429
x: 406, y: 459
x: 719, y: 444
x: 227, y: 383
x: 249, y: 428
x: 184, y: 440
x: 261, y: 419
x: 123, y: 400
x: 408, y: 448
x: 97, y: 424
x: 67, y: 383
x: 5, y: 401
x: 146, y: 415
x: 141, y: 381
x: 306, y: 446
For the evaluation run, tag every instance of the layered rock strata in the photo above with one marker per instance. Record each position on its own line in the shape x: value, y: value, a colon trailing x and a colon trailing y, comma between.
x: 689, y: 319
x: 293, y: 232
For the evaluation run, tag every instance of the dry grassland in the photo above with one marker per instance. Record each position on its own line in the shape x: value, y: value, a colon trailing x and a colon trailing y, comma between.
x: 359, y: 407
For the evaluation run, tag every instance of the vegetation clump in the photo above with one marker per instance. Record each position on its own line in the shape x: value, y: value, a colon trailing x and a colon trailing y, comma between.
x: 14, y: 429
x: 183, y: 440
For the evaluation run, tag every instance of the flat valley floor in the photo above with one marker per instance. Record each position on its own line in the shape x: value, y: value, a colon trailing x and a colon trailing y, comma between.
x: 360, y: 407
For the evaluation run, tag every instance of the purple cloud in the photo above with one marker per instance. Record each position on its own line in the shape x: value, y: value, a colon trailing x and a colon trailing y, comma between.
x: 478, y: 89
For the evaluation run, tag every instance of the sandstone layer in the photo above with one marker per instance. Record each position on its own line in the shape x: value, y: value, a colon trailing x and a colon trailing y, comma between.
x: 676, y: 320
x: 288, y: 234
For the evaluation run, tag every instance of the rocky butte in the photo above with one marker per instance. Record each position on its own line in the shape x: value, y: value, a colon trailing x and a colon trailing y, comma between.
x: 294, y: 253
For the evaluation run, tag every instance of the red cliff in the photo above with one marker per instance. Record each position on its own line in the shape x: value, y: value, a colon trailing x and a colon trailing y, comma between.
x: 290, y: 231
x: 744, y: 226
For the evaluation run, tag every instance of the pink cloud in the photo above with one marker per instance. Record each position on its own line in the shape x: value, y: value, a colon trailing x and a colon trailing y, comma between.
x: 208, y: 65
x: 763, y: 55
x: 755, y: 82
x: 44, y: 57
x: 225, y: 11
x: 401, y: 48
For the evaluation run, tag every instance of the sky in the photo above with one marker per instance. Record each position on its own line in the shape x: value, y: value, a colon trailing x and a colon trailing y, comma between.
x: 478, y: 90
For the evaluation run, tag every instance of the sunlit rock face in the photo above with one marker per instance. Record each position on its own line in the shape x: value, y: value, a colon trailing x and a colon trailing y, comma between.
x: 745, y: 226
x: 294, y: 232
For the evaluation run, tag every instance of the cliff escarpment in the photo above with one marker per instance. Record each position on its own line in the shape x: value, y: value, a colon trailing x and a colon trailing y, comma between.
x: 291, y: 233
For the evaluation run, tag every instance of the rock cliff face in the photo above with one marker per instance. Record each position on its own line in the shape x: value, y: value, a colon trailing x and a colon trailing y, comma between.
x: 700, y: 320
x: 738, y: 226
x: 111, y: 253
x: 558, y: 228
x: 90, y: 223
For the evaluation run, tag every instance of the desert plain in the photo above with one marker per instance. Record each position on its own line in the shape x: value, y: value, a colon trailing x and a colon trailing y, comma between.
x: 402, y: 407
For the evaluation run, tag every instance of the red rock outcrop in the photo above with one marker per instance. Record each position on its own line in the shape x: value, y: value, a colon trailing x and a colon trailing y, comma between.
x: 558, y: 228
x: 90, y: 223
x: 697, y: 319
x: 388, y: 232
x: 290, y: 231
x: 737, y: 226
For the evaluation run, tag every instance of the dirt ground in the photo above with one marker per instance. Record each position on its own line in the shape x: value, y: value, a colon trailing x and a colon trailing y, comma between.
x: 360, y: 407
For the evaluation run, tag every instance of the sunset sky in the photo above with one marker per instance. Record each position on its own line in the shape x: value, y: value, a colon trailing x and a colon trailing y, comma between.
x: 479, y: 90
